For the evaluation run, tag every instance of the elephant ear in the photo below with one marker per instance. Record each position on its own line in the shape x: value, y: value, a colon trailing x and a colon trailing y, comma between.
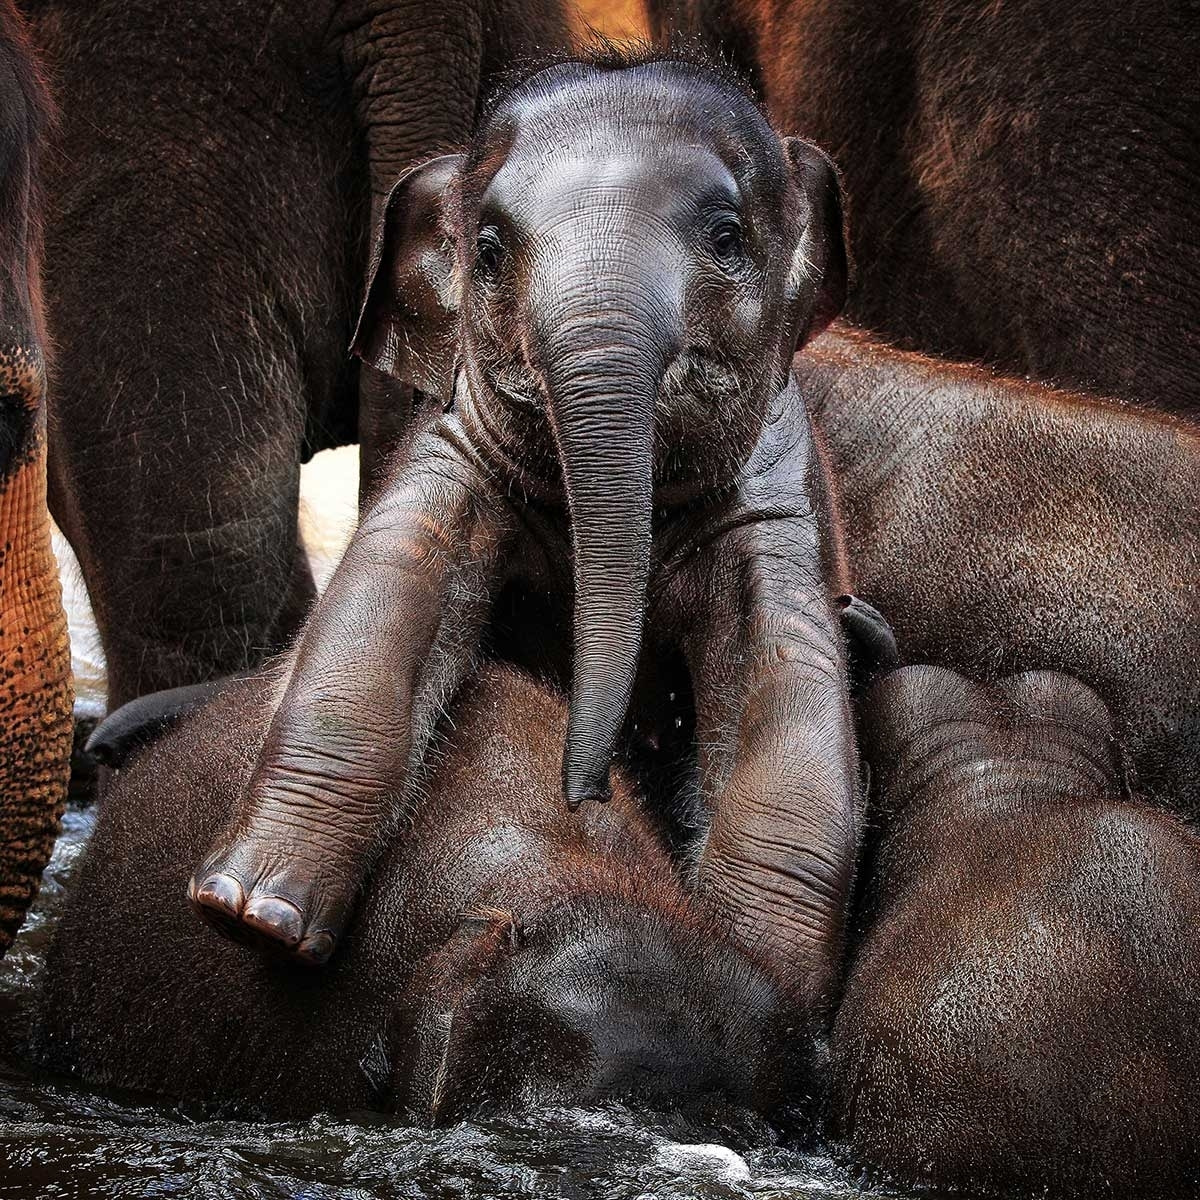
x: 407, y: 325
x: 127, y: 729
x: 435, y: 1025
x: 821, y: 259
x: 870, y: 642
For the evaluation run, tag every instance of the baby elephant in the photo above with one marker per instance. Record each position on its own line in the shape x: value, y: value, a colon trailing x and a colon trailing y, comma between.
x: 605, y: 290
x: 505, y: 952
x: 1021, y: 1012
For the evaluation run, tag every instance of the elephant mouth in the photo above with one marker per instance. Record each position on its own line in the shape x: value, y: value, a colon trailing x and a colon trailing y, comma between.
x: 697, y: 375
x: 511, y: 392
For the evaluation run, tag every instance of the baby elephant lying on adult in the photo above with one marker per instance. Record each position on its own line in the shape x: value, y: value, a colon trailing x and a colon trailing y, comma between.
x: 606, y: 290
x: 1004, y: 526
x: 1021, y: 1013
x: 506, y: 952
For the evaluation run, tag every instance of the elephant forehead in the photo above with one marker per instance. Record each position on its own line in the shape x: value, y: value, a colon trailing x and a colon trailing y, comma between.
x: 535, y: 186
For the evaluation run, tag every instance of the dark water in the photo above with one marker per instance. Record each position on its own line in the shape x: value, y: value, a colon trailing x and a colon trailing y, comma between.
x: 61, y: 1140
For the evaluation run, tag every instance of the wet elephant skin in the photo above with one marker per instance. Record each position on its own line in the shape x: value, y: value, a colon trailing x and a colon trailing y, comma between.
x: 1019, y: 1014
x: 505, y: 953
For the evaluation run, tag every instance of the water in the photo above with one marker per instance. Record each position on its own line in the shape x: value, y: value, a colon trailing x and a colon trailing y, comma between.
x: 60, y: 1140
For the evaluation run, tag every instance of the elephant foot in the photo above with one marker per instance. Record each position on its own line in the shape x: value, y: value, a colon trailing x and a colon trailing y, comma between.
x: 247, y: 896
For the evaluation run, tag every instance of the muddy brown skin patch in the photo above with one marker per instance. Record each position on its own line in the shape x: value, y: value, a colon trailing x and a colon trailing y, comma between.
x: 35, y: 684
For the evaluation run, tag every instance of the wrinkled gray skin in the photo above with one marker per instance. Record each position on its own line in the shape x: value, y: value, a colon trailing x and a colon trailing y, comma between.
x: 607, y: 290
x: 212, y: 190
x: 506, y: 953
x: 1020, y: 1012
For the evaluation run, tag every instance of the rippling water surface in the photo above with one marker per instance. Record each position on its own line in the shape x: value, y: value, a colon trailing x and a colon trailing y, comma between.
x: 60, y: 1140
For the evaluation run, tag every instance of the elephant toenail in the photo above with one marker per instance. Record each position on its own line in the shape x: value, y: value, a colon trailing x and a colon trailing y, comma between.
x: 317, y: 948
x: 275, y: 918
x: 221, y: 893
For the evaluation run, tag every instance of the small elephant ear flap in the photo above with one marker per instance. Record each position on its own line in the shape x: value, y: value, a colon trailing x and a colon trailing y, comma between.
x: 870, y: 642
x: 126, y: 730
x: 822, y: 259
x: 447, y: 979
x: 408, y: 321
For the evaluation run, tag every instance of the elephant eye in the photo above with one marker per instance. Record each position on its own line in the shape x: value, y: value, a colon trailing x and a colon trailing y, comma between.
x: 489, y: 250
x: 726, y: 240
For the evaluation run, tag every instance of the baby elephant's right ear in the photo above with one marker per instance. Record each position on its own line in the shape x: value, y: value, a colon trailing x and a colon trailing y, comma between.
x: 407, y: 325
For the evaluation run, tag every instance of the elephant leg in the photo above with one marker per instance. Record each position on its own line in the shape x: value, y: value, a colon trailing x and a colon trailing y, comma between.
x: 769, y: 667
x: 194, y: 573
x: 197, y: 255
x: 384, y: 652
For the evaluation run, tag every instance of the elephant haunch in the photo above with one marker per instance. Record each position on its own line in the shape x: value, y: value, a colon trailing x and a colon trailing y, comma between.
x: 505, y: 952
x: 1020, y: 1012
x: 1004, y: 526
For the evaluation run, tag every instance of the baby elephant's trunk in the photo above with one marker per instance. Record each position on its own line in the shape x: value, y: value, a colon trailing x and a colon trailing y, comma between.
x: 605, y: 357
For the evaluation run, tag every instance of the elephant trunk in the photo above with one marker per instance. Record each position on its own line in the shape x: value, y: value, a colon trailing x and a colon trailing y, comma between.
x: 35, y: 666
x: 36, y: 723
x: 605, y: 363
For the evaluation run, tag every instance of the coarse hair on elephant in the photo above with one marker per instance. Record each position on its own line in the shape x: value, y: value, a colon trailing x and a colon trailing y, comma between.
x: 35, y: 661
x: 1019, y: 1012
x: 506, y: 953
x: 1021, y: 176
x: 605, y: 290
x: 1004, y: 526
x: 212, y: 191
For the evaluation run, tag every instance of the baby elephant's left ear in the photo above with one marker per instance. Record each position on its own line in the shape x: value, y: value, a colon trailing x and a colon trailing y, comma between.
x: 821, y: 264
x: 408, y: 321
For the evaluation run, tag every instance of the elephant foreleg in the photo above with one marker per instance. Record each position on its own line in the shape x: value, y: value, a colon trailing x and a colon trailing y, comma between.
x: 383, y: 654
x: 779, y: 766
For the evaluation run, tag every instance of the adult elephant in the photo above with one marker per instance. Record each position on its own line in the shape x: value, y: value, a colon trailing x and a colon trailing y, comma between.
x: 35, y: 664
x: 1021, y: 175
x: 213, y: 188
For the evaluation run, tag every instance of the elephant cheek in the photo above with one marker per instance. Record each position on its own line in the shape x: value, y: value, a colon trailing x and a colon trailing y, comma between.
x: 35, y: 662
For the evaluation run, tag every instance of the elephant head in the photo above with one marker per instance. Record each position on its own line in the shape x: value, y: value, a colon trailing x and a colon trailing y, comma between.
x: 596, y: 997
x: 35, y: 663
x: 608, y: 285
